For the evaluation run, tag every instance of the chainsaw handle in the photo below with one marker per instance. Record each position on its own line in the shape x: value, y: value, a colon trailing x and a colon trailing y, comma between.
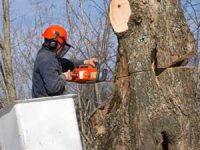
x: 83, y: 66
x: 104, y: 74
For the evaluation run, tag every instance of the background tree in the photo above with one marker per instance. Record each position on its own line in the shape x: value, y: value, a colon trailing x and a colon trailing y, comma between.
x: 192, y: 12
x: 90, y: 33
x: 6, y: 55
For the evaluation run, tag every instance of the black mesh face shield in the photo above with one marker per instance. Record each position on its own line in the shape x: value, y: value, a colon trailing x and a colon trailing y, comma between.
x: 66, y: 47
x: 65, y: 50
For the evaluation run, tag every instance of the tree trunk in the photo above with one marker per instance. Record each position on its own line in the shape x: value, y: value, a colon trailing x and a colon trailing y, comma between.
x: 6, y: 53
x: 154, y: 105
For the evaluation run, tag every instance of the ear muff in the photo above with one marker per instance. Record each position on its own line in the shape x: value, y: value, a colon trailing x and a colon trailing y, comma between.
x: 53, y: 43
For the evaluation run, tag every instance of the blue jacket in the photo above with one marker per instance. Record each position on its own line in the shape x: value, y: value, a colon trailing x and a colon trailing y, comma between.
x: 48, y: 79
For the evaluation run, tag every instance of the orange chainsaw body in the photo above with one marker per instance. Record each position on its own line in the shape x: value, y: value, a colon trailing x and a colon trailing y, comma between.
x: 85, y: 74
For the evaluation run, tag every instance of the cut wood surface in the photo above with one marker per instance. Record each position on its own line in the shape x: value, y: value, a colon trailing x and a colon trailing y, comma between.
x: 120, y: 13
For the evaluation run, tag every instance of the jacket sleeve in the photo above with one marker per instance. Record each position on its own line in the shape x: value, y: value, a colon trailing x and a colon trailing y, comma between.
x: 66, y: 64
x: 69, y: 64
x: 77, y: 62
x: 54, y: 82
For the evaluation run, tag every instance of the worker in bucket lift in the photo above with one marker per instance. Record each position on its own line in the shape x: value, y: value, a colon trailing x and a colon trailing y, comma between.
x: 51, y: 70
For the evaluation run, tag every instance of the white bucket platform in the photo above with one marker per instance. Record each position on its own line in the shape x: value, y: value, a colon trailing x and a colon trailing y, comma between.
x: 40, y: 124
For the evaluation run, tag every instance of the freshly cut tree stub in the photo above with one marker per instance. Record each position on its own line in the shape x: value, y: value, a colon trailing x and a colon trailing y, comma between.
x: 120, y: 13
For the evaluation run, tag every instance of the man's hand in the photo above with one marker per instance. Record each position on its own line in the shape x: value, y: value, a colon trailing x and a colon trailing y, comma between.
x: 69, y: 75
x: 90, y: 62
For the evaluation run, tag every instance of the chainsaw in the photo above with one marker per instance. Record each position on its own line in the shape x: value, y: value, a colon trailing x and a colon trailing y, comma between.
x: 89, y: 74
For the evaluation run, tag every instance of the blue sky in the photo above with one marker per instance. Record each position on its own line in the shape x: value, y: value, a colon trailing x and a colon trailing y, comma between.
x: 28, y: 8
x: 24, y: 11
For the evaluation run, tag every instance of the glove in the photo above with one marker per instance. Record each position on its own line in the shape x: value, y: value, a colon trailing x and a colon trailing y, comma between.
x: 69, y: 75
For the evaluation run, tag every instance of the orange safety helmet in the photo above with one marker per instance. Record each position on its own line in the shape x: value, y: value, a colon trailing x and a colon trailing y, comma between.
x: 57, y: 33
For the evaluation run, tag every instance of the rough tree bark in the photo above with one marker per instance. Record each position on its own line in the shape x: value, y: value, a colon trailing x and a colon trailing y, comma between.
x: 154, y: 104
x: 6, y: 53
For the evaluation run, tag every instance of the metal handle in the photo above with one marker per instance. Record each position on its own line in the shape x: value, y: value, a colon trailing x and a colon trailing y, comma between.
x: 104, y: 73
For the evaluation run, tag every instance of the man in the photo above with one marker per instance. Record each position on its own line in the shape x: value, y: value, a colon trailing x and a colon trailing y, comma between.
x: 48, y: 76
